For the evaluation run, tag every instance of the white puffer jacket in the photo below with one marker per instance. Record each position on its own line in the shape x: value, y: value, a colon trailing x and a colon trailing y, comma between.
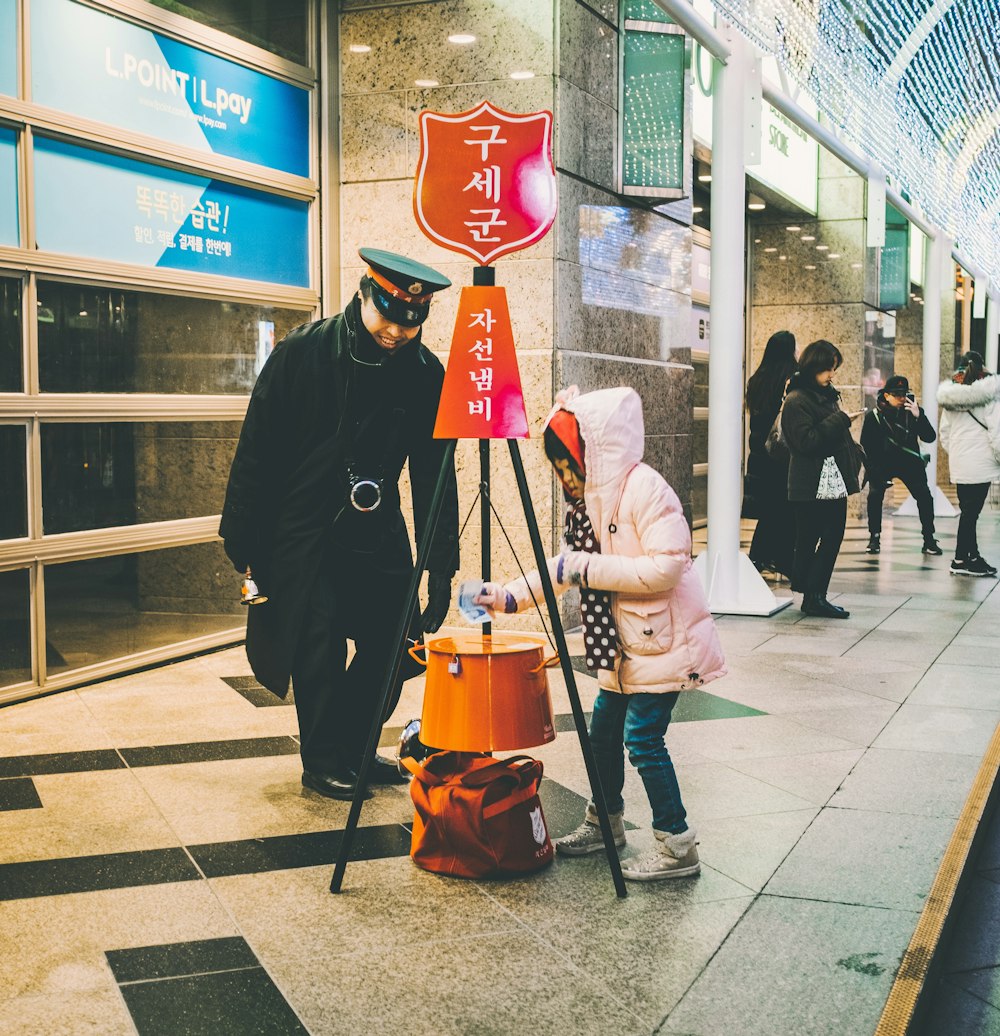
x: 666, y: 632
x: 970, y: 429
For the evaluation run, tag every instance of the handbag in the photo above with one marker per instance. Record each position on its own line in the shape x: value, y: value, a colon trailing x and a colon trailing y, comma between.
x: 476, y: 816
x: 775, y: 443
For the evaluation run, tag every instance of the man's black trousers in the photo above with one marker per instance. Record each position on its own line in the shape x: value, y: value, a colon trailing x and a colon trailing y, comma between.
x: 335, y: 703
x: 914, y: 477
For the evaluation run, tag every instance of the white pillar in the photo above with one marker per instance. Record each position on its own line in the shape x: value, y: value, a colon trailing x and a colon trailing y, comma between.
x: 936, y: 255
x: 992, y: 331
x: 732, y: 584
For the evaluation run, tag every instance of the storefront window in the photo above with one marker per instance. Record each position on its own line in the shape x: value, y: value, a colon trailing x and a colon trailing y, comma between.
x: 279, y: 26
x: 11, y: 377
x: 13, y: 478
x: 15, y: 627
x: 94, y: 339
x: 105, y: 608
x: 95, y: 476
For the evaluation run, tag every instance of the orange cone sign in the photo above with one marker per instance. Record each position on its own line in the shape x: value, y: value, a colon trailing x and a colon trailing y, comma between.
x: 481, y: 397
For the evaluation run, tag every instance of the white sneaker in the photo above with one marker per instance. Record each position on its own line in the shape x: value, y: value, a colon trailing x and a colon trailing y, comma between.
x: 675, y: 856
x: 587, y: 838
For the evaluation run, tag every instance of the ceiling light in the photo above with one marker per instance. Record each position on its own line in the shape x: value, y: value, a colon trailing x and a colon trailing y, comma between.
x: 808, y: 237
x: 810, y: 267
x: 770, y: 250
x: 794, y: 230
x: 755, y: 204
x: 704, y: 178
x: 359, y: 48
x: 522, y: 75
x: 856, y: 266
x: 782, y: 257
x: 822, y: 248
x: 834, y: 255
x: 696, y: 209
x: 426, y: 84
x: 461, y: 38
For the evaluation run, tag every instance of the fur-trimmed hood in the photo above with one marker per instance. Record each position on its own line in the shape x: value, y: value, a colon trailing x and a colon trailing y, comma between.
x: 952, y: 396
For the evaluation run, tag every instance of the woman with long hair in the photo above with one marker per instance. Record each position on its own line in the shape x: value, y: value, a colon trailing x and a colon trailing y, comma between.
x: 822, y: 473
x: 970, y: 434
x: 765, y: 488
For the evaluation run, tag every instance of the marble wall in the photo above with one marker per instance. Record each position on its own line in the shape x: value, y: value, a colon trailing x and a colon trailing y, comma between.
x: 603, y: 299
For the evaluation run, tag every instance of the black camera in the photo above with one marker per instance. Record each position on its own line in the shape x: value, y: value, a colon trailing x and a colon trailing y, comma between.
x: 365, y: 494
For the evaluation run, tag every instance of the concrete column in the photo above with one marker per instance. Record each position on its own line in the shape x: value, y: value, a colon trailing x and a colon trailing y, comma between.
x: 936, y: 255
x: 992, y: 331
x: 731, y: 582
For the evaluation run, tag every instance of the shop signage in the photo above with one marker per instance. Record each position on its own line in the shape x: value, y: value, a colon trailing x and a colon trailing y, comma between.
x: 99, y: 67
x: 8, y: 47
x: 109, y: 207
x: 8, y: 187
x: 485, y: 183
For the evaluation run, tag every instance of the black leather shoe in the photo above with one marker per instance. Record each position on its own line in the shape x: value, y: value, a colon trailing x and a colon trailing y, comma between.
x: 342, y: 785
x: 385, y: 771
x: 931, y: 546
x: 821, y: 608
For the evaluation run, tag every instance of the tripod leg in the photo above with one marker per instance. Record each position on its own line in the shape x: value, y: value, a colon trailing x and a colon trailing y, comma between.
x: 392, y: 672
x: 574, y: 696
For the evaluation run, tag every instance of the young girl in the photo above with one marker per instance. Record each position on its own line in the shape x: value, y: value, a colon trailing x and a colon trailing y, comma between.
x: 648, y: 633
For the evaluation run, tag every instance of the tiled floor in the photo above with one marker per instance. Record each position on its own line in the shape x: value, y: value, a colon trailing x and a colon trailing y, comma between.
x: 162, y: 869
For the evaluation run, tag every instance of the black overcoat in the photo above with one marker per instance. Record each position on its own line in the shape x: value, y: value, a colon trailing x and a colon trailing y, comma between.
x: 814, y: 428
x: 314, y: 411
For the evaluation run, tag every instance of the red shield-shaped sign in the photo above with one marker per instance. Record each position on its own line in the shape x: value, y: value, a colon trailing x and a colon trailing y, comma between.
x: 485, y: 183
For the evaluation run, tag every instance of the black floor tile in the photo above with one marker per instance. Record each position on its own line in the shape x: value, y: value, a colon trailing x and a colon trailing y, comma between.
x: 18, y: 793
x: 91, y: 873
x: 254, y: 692
x: 60, y: 762
x: 173, y: 960
x: 563, y: 808
x: 209, y: 751
x: 283, y: 852
x: 227, y: 1003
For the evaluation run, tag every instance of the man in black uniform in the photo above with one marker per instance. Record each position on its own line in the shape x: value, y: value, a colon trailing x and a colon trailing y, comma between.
x: 313, y: 509
x: 889, y: 438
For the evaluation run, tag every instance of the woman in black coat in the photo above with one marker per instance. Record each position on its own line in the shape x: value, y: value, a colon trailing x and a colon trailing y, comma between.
x: 765, y: 489
x: 822, y: 473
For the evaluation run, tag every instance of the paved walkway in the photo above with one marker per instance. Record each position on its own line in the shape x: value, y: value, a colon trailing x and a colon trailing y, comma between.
x: 161, y: 868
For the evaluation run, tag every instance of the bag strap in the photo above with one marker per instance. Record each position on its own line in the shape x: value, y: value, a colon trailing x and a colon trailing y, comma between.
x: 484, y: 774
x: 508, y: 802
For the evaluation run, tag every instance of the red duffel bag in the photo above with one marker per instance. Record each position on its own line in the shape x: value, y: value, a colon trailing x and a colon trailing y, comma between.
x: 476, y: 816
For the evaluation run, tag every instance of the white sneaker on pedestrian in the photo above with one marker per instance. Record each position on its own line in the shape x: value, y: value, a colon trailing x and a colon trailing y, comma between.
x: 675, y: 856
x: 587, y: 838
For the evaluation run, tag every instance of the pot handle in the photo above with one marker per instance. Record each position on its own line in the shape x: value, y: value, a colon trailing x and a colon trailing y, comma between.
x: 546, y: 663
x: 412, y: 652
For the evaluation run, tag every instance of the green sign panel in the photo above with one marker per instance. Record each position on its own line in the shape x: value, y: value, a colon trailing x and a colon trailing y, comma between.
x: 894, y: 268
x: 653, y: 155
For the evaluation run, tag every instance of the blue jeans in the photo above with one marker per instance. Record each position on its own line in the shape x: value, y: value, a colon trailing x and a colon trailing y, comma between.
x: 638, y: 722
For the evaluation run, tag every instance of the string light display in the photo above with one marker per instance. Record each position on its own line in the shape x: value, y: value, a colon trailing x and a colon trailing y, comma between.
x: 912, y: 84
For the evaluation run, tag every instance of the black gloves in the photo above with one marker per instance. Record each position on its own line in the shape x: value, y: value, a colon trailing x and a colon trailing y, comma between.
x: 438, y: 602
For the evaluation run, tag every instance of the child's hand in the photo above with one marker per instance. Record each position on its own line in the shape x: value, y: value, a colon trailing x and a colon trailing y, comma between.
x: 493, y: 597
x: 572, y: 568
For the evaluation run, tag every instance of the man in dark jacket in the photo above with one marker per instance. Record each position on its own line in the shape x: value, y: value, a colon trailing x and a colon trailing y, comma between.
x: 313, y: 510
x: 890, y: 437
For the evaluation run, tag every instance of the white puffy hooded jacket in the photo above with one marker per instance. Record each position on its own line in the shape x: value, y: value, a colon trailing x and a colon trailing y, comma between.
x: 970, y: 429
x: 666, y: 633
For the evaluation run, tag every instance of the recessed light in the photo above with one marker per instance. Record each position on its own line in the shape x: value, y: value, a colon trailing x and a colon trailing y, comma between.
x: 782, y: 257
x: 822, y: 248
x: 794, y: 230
x: 522, y: 75
x: 834, y: 255
x: 696, y: 209
x: 705, y: 178
x: 461, y: 38
x: 809, y: 267
x: 770, y: 250
x: 808, y: 237
x: 756, y: 240
x: 856, y: 266
x: 359, y: 48
x: 755, y: 204
x: 426, y: 84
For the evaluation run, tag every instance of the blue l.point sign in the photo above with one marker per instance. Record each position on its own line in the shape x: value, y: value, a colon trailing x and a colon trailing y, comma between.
x: 99, y: 67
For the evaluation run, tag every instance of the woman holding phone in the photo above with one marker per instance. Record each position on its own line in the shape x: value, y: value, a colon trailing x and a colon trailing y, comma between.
x: 822, y: 473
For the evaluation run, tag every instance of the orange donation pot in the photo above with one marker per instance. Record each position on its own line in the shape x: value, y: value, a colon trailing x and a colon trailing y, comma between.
x: 486, y: 693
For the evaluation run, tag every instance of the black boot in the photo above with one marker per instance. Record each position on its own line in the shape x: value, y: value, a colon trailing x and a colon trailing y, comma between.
x: 818, y: 606
x: 931, y: 546
x: 874, y: 544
